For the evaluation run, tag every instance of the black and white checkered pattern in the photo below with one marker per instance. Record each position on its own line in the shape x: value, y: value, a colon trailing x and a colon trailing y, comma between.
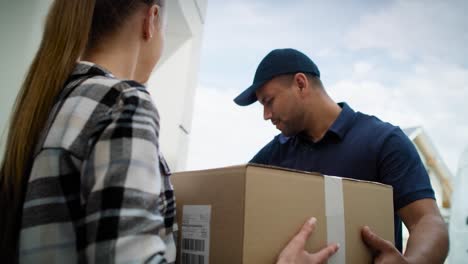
x: 99, y: 189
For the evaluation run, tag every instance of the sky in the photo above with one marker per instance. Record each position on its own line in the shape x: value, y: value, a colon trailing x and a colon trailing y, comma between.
x: 402, y: 61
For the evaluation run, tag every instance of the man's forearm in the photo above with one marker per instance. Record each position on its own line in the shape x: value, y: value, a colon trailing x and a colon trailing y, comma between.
x: 428, y: 241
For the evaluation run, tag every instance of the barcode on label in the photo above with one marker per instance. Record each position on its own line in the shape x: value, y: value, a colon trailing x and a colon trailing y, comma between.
x: 192, y: 259
x: 193, y: 244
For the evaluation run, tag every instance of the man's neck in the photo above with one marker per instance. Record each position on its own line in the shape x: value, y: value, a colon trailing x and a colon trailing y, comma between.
x: 320, y: 119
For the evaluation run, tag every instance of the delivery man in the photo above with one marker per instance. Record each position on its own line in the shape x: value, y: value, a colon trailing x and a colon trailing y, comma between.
x: 320, y: 135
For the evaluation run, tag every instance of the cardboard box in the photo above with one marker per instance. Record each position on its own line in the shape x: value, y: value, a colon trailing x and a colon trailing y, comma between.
x: 247, y: 214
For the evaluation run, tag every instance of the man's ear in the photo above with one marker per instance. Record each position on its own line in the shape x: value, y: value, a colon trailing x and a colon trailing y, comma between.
x: 301, y: 81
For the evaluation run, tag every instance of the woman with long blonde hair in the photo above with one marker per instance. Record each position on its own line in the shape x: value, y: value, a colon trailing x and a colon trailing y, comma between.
x: 82, y: 179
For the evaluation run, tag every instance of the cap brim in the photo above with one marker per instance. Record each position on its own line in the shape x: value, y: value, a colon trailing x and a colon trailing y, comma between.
x: 248, y: 96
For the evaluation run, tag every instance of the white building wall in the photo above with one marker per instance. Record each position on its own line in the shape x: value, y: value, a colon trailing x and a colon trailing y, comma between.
x: 174, y: 82
x: 21, y: 25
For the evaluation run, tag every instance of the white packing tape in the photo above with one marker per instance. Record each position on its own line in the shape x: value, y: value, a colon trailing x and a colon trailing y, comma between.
x: 334, y: 212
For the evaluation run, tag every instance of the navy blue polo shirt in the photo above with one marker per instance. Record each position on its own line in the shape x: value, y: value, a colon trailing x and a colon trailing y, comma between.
x: 361, y: 147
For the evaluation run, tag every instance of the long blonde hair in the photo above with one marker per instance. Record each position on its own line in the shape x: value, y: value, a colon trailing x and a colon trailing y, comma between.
x: 71, y: 26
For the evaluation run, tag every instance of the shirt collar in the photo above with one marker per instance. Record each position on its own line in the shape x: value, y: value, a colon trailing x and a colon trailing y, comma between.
x: 344, y: 121
x: 282, y: 138
x: 340, y: 126
x: 83, y: 68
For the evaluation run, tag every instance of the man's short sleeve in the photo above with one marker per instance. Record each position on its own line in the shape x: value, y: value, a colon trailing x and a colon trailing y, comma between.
x: 400, y: 166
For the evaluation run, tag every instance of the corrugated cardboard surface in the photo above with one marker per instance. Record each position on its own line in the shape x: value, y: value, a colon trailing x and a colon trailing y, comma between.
x: 366, y: 204
x: 223, y: 189
x: 277, y: 203
x: 256, y: 210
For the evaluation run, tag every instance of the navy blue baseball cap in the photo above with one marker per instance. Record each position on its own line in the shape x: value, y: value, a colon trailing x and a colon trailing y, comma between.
x: 275, y: 63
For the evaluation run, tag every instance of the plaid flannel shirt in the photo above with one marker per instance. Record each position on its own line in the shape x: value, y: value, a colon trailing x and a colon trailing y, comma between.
x: 99, y: 189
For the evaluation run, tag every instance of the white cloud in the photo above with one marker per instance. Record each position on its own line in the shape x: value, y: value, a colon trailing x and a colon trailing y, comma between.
x: 362, y: 68
x: 328, y: 52
x: 420, y: 27
x: 432, y: 96
x: 259, y: 26
x: 223, y: 133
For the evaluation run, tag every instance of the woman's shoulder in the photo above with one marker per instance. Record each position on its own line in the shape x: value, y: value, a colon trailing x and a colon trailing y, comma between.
x: 92, y: 82
x: 86, y: 109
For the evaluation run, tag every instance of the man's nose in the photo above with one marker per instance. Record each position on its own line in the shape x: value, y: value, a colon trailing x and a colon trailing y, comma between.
x: 266, y: 113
